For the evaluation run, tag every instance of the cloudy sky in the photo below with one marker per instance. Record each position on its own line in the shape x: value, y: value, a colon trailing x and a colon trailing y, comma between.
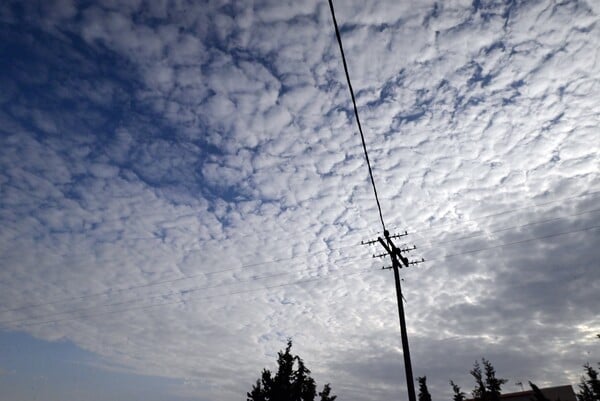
x: 183, y: 188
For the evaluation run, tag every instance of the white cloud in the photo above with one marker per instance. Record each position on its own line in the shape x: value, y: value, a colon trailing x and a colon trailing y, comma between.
x: 221, y: 137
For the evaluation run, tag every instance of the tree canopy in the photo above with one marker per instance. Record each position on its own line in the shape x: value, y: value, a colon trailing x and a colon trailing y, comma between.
x: 488, y: 388
x: 589, y: 387
x: 292, y: 382
x: 537, y: 393
x: 458, y: 395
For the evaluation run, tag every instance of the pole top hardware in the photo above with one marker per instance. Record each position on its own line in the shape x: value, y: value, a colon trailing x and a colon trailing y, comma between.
x: 386, y: 234
x: 408, y: 249
x: 401, y: 250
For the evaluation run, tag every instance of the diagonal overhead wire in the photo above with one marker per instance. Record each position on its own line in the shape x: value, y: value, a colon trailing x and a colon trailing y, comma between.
x: 507, y: 211
x: 158, y: 296
x: 116, y: 291
x: 362, y: 136
x: 194, y: 299
x: 113, y: 291
x: 524, y: 241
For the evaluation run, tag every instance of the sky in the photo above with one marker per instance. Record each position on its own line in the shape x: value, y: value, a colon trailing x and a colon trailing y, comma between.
x: 183, y: 188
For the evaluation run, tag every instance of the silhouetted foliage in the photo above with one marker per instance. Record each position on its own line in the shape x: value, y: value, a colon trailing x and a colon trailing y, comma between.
x: 488, y: 388
x: 458, y: 394
x: 423, y: 391
x: 593, y: 381
x: 492, y: 383
x: 479, y: 392
x: 589, y: 388
x: 537, y: 393
x: 325, y: 394
x: 292, y: 382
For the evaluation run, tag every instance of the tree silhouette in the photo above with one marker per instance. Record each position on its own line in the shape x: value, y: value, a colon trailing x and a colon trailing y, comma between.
x: 537, y: 393
x: 490, y: 388
x: 479, y: 392
x: 589, y: 389
x: 423, y: 391
x: 325, y: 394
x: 458, y: 395
x: 292, y: 382
x: 492, y: 383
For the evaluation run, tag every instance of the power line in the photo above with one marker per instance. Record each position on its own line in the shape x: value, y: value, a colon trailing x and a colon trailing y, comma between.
x: 245, y: 266
x: 509, y: 228
x: 394, y: 253
x: 298, y: 282
x: 362, y: 136
x: 515, y: 243
x: 171, y: 293
x: 507, y: 211
x: 118, y: 291
x: 114, y: 291
x: 169, y: 281
x: 316, y: 278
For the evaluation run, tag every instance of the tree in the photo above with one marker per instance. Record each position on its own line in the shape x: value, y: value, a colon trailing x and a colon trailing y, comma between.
x: 490, y: 388
x: 292, y: 382
x: 325, y: 394
x: 423, y: 391
x: 537, y: 393
x: 492, y: 383
x: 479, y: 392
x: 593, y: 381
x: 458, y: 395
x: 589, y: 389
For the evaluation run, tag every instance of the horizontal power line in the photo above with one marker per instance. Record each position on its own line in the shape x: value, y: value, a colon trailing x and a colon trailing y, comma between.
x: 117, y: 291
x: 265, y: 262
x: 289, y: 235
x: 113, y: 291
x: 180, y: 301
x: 313, y: 279
x: 482, y: 233
x: 504, y: 212
x: 515, y: 243
x: 175, y: 293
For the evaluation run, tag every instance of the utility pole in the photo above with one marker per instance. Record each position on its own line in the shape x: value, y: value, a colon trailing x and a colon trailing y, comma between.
x: 391, y: 249
x: 399, y: 261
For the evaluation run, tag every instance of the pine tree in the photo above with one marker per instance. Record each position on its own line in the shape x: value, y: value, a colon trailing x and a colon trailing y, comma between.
x: 490, y: 388
x: 593, y: 381
x: 585, y: 393
x: 423, y: 391
x: 292, y: 382
x: 458, y: 395
x: 537, y: 393
x: 589, y: 389
x: 325, y: 394
x: 492, y: 383
x: 479, y: 392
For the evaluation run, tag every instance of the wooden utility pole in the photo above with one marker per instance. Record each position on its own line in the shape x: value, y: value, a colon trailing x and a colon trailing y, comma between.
x: 399, y: 261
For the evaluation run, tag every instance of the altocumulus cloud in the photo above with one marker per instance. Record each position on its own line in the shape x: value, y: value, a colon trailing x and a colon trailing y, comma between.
x: 158, y: 153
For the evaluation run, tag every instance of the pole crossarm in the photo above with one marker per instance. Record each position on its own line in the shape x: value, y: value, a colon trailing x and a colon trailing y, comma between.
x: 392, y: 250
x: 404, y: 234
x: 402, y: 250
